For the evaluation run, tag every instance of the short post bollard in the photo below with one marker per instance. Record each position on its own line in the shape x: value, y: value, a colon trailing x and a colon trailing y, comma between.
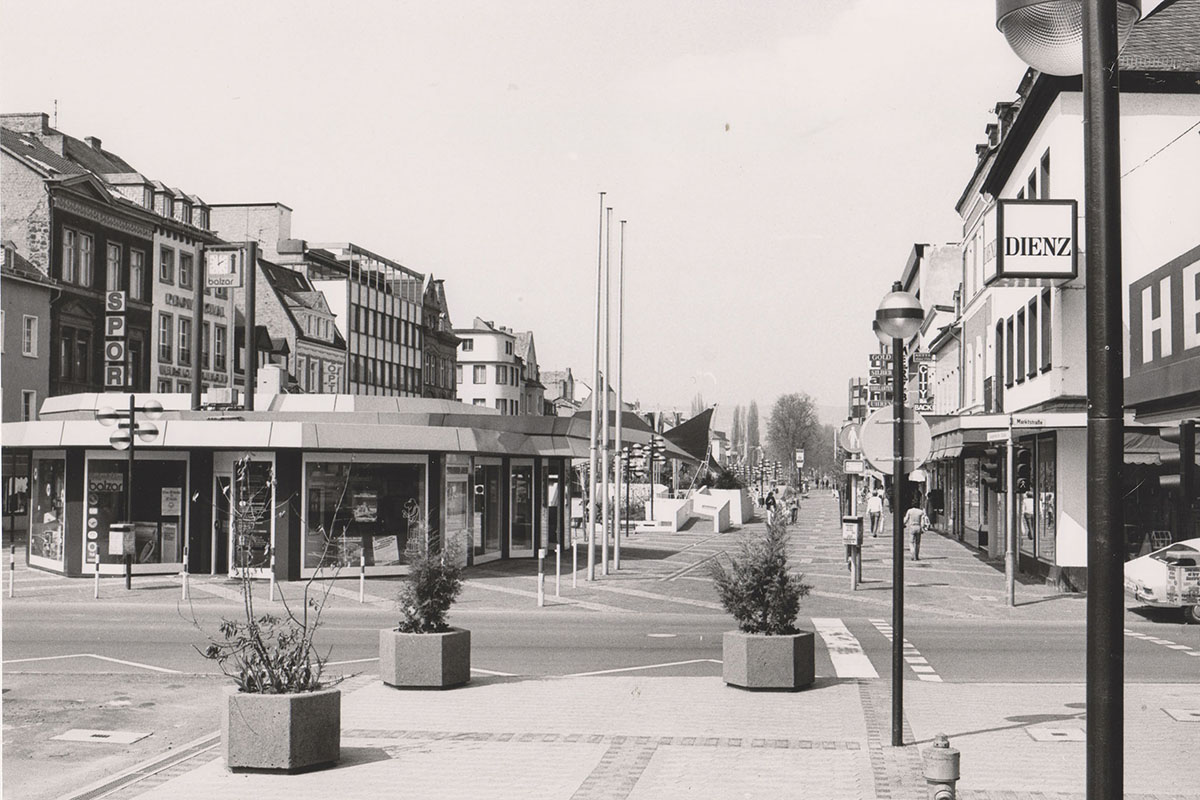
x: 12, y: 568
x: 96, y: 590
x: 941, y: 769
x: 272, y: 596
x: 362, y: 577
x: 184, y: 582
x: 557, y: 569
x: 574, y: 565
x: 541, y: 577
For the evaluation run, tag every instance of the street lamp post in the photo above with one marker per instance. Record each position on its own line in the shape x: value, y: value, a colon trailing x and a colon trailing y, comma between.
x: 899, y: 316
x: 125, y: 437
x: 1087, y: 43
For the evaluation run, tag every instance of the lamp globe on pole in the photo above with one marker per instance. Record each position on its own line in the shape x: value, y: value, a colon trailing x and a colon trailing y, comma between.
x: 1048, y: 34
x: 899, y: 314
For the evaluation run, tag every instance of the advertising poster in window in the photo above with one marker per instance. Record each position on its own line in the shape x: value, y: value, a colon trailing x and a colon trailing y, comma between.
x: 1045, y: 485
x: 46, y: 522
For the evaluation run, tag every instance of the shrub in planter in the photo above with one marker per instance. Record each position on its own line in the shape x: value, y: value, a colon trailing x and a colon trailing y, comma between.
x: 767, y: 651
x: 423, y: 650
x: 282, y: 713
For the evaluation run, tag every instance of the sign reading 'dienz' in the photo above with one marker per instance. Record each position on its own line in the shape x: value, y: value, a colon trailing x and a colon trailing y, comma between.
x: 1030, y: 241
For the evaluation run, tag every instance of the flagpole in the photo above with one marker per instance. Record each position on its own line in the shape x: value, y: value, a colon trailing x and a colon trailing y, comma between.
x: 589, y: 511
x: 605, y: 453
x: 620, y: 403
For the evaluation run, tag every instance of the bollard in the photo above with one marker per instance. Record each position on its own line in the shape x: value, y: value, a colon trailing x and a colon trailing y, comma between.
x: 272, y: 595
x: 96, y: 591
x: 541, y: 577
x: 184, y: 589
x: 362, y: 577
x: 557, y: 569
x: 574, y: 564
x: 12, y: 568
x: 941, y: 769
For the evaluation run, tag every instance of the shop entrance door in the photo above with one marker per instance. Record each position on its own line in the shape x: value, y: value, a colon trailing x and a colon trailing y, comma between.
x: 487, y: 507
x: 244, y: 513
x: 520, y: 529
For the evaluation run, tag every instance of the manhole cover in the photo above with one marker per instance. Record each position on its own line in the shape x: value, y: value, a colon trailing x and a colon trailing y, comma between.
x: 1056, y: 734
x: 1183, y: 714
x: 107, y: 737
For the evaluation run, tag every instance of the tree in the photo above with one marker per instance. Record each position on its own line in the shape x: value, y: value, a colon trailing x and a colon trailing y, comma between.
x: 752, y: 441
x: 793, y: 425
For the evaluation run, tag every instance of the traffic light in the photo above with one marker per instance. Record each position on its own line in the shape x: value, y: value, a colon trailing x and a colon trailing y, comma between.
x: 1179, y: 468
x: 1023, y: 458
x: 989, y: 469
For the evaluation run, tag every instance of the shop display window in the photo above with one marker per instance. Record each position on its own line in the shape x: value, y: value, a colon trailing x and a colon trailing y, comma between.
x: 1045, y: 484
x: 972, y: 508
x: 362, y: 510
x: 254, y: 491
x: 159, y: 488
x: 457, y: 519
x: 47, y: 526
x: 522, y: 507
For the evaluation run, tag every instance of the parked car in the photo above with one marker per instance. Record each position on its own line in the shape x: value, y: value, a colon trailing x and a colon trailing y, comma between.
x: 1167, y: 578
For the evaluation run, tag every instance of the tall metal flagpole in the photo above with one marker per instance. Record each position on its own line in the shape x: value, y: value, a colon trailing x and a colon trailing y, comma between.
x: 605, y: 452
x: 589, y: 512
x: 620, y: 405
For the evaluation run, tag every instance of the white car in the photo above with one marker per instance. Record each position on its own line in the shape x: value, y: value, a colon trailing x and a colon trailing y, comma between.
x: 1167, y: 578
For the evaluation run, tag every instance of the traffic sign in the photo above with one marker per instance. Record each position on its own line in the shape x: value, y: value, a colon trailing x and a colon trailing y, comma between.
x: 850, y: 438
x: 877, y: 435
x: 853, y: 466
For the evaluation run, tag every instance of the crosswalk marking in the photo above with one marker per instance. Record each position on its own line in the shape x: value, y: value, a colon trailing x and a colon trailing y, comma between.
x: 849, y: 660
x: 916, y: 662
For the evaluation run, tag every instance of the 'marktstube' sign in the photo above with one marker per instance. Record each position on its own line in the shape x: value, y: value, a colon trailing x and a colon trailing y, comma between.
x: 1031, y: 241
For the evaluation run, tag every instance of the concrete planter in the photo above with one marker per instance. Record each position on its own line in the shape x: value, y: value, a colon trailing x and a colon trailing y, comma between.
x: 757, y: 661
x: 281, y: 731
x: 425, y: 660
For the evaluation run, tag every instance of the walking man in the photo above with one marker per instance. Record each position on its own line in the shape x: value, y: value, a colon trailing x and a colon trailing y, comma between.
x: 915, y: 523
x: 875, y: 511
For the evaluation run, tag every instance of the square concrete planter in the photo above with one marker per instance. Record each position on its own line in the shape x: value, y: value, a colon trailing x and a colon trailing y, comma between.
x: 758, y: 661
x: 425, y: 660
x: 281, y: 731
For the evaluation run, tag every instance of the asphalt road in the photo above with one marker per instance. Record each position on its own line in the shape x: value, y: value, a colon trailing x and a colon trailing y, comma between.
x: 133, y: 638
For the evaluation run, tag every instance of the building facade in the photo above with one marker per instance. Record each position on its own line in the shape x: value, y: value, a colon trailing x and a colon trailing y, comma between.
x: 489, y: 372
x: 440, y: 345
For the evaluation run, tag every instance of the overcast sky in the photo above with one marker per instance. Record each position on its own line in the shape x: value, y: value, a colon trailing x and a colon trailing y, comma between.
x: 775, y: 161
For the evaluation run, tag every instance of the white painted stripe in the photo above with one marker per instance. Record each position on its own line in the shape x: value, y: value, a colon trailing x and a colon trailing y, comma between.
x: 646, y: 666
x: 849, y: 660
x: 351, y: 661
x: 933, y: 678
x: 918, y: 668
x: 1178, y: 647
x: 99, y: 657
x: 493, y: 672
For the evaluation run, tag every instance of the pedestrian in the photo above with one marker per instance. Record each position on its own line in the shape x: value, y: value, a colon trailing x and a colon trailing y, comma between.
x: 875, y: 511
x: 770, y: 505
x: 794, y: 508
x: 915, y: 523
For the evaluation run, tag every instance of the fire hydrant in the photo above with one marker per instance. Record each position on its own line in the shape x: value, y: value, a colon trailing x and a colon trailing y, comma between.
x: 941, y: 768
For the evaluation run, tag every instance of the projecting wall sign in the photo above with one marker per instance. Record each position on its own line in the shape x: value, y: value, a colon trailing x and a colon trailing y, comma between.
x: 1030, y: 241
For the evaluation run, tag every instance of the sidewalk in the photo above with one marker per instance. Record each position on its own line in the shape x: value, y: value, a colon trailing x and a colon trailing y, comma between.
x: 650, y: 738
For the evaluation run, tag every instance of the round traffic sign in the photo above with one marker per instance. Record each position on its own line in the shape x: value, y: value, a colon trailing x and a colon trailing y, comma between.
x: 877, y: 436
x: 850, y: 437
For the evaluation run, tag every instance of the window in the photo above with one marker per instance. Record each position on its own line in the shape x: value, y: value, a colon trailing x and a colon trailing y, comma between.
x: 166, y: 265
x: 479, y: 401
x: 314, y: 375
x: 165, y: 335
x: 1009, y: 352
x: 28, y: 405
x: 1044, y: 175
x: 1033, y: 334
x: 1031, y: 186
x: 75, y: 354
x: 185, y: 270
x: 508, y: 348
x: 185, y: 341
x: 219, y: 348
x: 86, y: 272
x: 164, y: 385
x: 480, y: 374
x: 205, y: 350
x: 29, y: 336
x: 500, y: 404
x: 183, y: 387
x: 70, y: 257
x: 458, y: 373
x: 112, y: 279
x: 501, y: 374
x: 301, y: 373
x: 1046, y: 330
x: 137, y: 275
x: 1021, y: 346
x: 468, y: 344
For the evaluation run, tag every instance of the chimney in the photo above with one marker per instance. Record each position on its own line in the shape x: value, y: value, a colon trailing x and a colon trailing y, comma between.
x: 993, y: 134
x: 981, y: 151
x: 93, y: 142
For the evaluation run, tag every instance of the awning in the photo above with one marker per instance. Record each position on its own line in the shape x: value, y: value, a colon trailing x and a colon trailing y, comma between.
x: 1146, y: 448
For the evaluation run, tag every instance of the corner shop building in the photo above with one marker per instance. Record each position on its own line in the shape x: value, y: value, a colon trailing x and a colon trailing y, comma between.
x: 332, y: 479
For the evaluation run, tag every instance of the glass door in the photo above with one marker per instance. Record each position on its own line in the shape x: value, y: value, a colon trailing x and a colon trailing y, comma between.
x: 243, y: 507
x: 520, y: 528
x: 487, y: 508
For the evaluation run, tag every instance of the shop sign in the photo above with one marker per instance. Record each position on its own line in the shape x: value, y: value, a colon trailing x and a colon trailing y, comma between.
x: 114, y: 345
x: 106, y: 482
x: 1031, y: 240
x: 221, y: 268
x: 179, y: 301
x: 1164, y: 331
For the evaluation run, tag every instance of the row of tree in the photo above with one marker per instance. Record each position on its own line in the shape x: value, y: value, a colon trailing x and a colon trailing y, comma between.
x: 792, y: 425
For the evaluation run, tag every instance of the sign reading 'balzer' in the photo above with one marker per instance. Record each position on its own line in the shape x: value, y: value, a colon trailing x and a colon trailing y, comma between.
x: 1031, y: 240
